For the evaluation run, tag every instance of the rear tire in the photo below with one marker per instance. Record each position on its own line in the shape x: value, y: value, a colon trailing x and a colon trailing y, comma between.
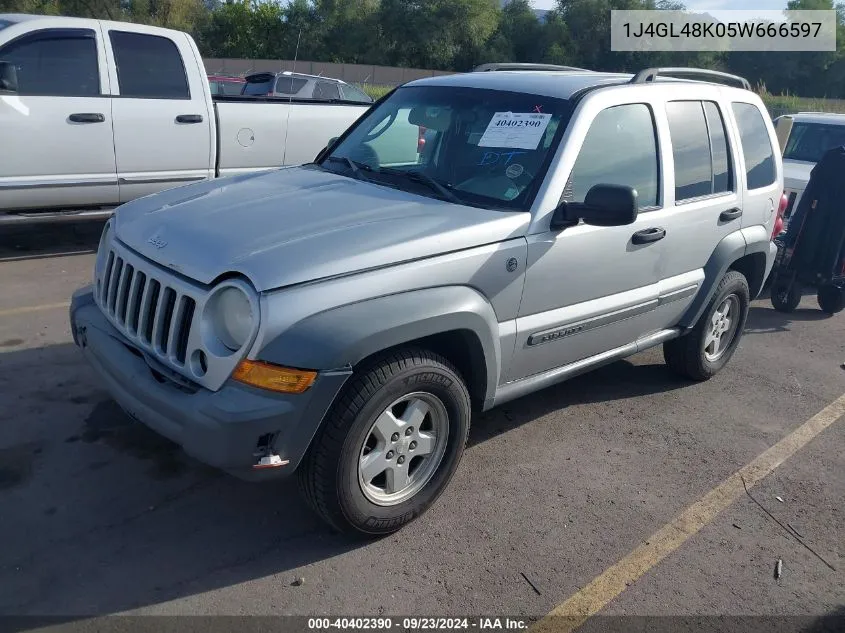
x: 831, y: 299
x: 405, y: 415
x: 785, y: 296
x: 702, y: 352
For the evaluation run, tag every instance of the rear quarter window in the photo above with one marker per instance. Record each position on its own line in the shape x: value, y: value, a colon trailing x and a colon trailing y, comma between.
x: 756, y: 145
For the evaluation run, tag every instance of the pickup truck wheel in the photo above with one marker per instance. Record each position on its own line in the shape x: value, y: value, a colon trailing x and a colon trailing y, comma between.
x: 389, y: 445
x: 703, y: 351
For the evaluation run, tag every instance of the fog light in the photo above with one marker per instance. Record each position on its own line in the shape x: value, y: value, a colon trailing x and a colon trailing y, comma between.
x: 273, y: 377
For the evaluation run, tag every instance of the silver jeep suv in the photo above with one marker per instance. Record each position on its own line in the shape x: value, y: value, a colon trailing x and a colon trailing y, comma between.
x: 343, y: 319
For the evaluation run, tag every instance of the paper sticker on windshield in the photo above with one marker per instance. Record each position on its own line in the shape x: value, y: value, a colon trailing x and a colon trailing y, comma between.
x: 522, y: 130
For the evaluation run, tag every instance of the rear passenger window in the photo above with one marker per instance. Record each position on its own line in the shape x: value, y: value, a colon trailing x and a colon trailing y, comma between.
x: 289, y: 85
x: 326, y: 90
x: 628, y: 131
x: 756, y: 146
x: 722, y: 172
x: 148, y: 66
x: 699, y: 149
x: 690, y: 149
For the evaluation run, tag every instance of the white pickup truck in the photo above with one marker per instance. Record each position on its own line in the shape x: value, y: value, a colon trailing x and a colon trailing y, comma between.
x: 96, y: 113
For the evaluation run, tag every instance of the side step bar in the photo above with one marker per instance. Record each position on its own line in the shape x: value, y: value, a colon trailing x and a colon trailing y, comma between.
x: 20, y: 218
x: 524, y: 386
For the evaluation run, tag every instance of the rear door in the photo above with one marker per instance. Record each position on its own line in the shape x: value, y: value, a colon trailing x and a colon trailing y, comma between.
x: 162, y: 129
x: 56, y: 146
x: 704, y: 195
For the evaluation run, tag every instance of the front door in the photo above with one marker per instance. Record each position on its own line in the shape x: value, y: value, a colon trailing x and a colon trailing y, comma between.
x: 589, y: 289
x: 162, y: 130
x: 56, y: 147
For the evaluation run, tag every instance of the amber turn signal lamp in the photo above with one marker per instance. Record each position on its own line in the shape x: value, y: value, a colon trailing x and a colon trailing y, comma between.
x: 273, y: 377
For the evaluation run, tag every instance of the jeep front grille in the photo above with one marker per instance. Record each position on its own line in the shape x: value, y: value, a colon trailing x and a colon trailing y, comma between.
x: 152, y: 311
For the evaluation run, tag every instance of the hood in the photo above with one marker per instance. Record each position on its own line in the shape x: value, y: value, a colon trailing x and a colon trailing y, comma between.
x: 796, y: 174
x: 299, y: 224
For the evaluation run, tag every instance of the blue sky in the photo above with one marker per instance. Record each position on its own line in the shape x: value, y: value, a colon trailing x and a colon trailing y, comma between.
x: 702, y: 4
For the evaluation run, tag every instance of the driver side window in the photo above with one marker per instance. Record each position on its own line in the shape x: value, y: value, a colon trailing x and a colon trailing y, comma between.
x: 620, y: 149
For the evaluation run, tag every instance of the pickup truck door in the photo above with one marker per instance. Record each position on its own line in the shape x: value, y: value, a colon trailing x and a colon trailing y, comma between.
x: 56, y: 147
x: 163, y: 132
x: 590, y: 289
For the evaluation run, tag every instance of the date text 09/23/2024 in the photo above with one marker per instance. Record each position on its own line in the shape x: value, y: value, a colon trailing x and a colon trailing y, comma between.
x: 416, y: 624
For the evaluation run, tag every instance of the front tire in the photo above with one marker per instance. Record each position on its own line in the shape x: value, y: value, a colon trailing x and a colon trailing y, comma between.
x: 389, y: 445
x: 702, y: 352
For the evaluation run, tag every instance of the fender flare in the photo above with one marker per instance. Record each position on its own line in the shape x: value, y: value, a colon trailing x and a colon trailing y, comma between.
x: 728, y: 251
x: 346, y: 335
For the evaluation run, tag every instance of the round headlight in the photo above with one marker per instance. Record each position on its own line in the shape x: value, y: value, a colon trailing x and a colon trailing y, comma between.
x: 231, y: 317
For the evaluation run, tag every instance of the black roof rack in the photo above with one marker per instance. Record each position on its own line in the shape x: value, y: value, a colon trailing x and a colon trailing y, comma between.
x: 522, y: 66
x: 650, y: 74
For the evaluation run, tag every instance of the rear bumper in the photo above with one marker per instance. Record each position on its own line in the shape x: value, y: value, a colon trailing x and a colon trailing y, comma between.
x: 220, y: 428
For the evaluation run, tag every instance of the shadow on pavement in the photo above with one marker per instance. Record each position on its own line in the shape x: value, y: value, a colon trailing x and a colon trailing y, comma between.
x: 49, y: 240
x: 765, y: 320
x: 101, y: 515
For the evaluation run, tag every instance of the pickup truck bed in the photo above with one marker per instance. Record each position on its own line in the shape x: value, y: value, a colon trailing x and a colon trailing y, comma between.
x: 97, y: 113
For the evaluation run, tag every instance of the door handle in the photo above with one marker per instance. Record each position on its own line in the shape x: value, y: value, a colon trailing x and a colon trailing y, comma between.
x: 648, y: 235
x: 730, y: 214
x: 87, y: 117
x: 189, y: 118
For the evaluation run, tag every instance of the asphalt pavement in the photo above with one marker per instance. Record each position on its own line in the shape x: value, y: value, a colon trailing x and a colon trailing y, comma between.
x: 100, y: 516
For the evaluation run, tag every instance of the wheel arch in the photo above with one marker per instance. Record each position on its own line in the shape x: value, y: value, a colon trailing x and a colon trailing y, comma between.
x: 746, y: 251
x: 456, y: 322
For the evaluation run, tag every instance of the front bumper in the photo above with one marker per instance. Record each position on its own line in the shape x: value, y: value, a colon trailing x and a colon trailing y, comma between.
x: 223, y: 428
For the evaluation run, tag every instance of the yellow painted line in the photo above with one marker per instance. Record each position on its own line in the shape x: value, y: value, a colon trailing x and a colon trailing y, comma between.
x: 28, y: 309
x: 573, y: 612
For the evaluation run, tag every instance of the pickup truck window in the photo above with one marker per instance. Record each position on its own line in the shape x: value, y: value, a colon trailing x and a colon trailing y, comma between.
x: 148, y: 66
x: 493, y: 147
x: 629, y: 130
x: 699, y: 149
x: 55, y: 63
x: 809, y: 141
x: 756, y: 146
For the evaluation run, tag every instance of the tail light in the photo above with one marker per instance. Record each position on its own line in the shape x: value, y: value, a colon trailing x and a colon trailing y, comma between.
x: 784, y: 201
x: 421, y: 140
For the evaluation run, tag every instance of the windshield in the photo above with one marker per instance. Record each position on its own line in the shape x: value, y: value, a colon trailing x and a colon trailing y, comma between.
x: 258, y: 85
x: 487, y: 148
x: 809, y: 141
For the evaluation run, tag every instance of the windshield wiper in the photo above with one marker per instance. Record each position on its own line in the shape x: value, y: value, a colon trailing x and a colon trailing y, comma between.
x: 423, y: 178
x: 355, y: 167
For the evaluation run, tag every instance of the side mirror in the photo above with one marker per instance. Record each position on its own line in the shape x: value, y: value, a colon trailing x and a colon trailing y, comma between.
x: 604, y: 205
x: 327, y: 148
x: 8, y: 77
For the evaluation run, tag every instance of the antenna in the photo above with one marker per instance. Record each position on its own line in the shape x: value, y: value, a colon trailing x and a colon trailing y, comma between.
x: 290, y: 97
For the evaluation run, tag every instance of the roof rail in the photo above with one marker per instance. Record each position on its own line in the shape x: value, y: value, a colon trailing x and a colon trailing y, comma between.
x: 522, y: 66
x: 650, y: 74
